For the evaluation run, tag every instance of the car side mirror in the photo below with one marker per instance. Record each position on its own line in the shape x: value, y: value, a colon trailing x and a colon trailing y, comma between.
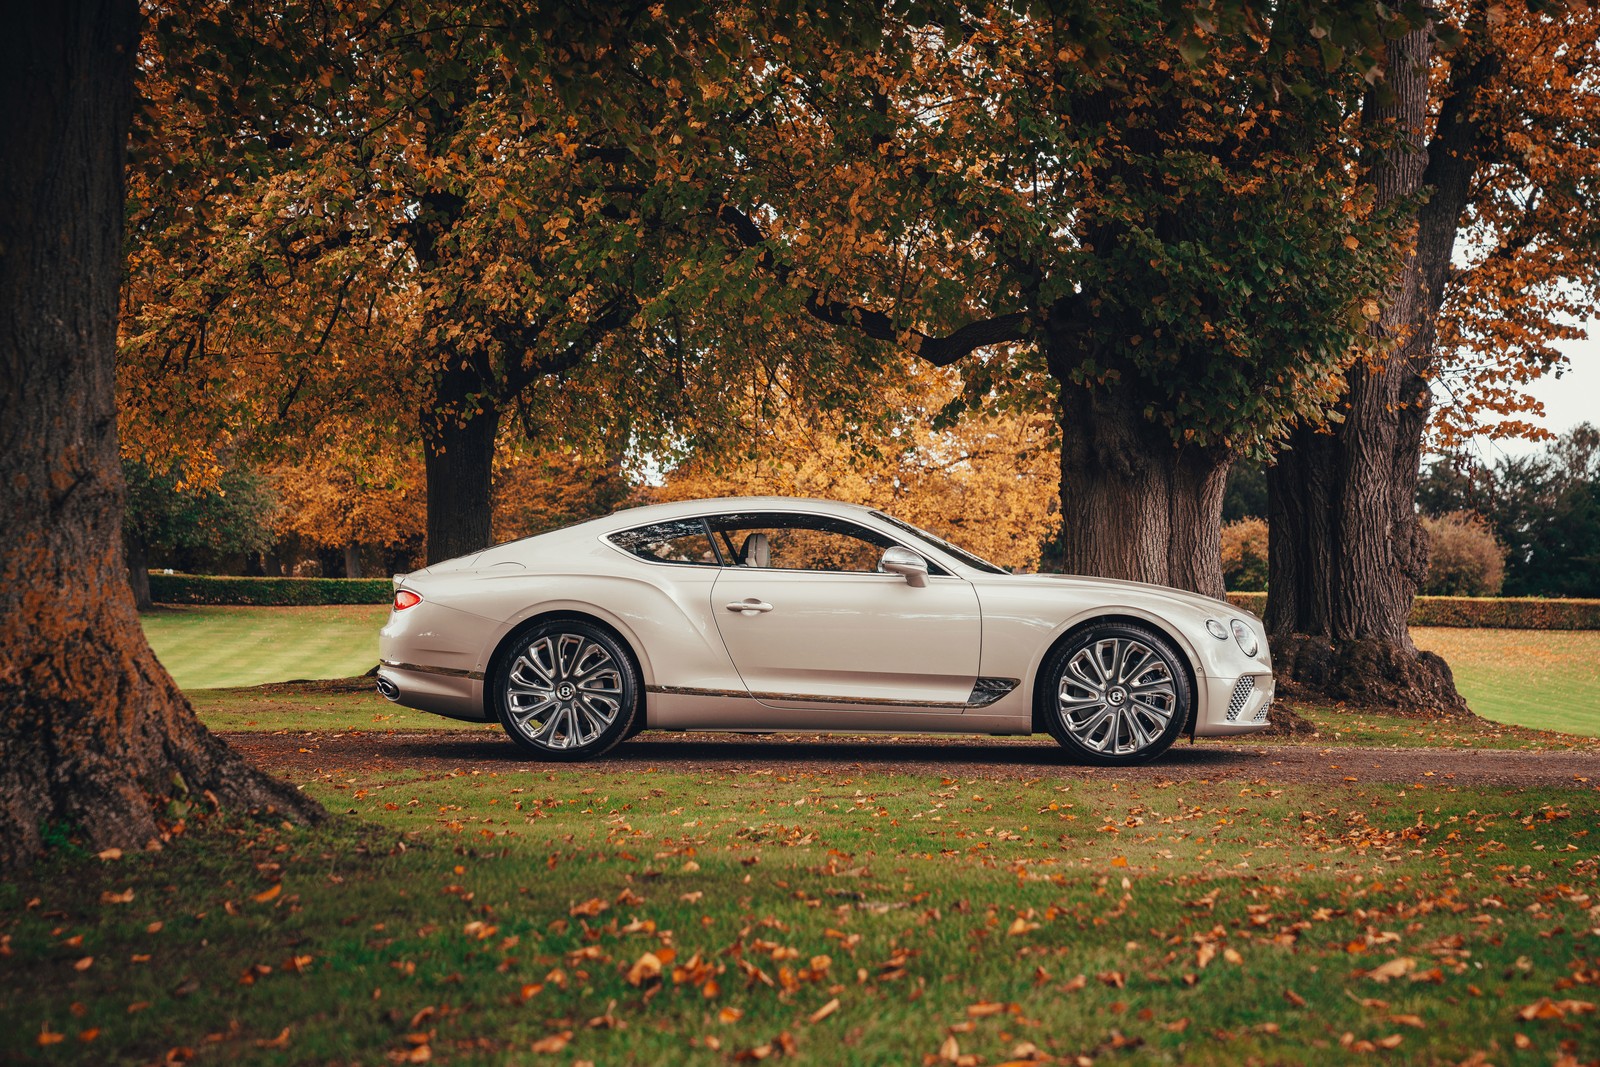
x: 903, y: 561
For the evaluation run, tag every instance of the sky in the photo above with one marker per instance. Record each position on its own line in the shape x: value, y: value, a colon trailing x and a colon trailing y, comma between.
x: 1568, y: 400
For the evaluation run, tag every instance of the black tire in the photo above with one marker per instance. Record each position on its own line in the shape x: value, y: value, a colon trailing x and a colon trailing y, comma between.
x: 1109, y: 709
x: 566, y: 690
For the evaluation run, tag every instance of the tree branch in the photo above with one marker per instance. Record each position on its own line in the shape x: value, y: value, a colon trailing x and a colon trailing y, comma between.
x: 940, y: 351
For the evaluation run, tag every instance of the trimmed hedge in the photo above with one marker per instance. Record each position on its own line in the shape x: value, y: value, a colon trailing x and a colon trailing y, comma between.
x: 1497, y: 613
x: 268, y: 592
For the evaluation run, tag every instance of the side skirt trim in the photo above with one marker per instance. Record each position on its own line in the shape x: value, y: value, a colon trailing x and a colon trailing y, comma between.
x: 984, y: 693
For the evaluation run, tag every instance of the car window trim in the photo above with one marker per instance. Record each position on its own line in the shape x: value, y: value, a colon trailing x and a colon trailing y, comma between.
x: 933, y: 562
x: 705, y: 527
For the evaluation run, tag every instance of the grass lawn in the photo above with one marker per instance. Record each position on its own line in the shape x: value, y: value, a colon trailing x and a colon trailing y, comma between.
x: 1546, y: 679
x: 217, y: 647
x: 563, y: 915
x: 356, y: 706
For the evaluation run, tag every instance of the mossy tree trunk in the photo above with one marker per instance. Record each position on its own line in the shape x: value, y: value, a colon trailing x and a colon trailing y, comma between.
x: 94, y: 736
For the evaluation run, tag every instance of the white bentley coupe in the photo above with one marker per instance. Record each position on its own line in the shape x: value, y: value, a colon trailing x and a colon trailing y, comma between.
x: 769, y: 614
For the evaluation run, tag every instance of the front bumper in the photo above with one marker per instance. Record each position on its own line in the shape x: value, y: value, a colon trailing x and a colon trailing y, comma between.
x: 1236, y: 705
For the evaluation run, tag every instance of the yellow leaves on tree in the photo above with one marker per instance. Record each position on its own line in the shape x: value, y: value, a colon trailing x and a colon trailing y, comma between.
x: 988, y: 483
x: 342, y: 501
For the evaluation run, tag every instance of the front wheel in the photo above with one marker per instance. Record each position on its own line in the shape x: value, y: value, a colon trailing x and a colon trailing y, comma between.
x: 1116, y: 694
x: 566, y: 690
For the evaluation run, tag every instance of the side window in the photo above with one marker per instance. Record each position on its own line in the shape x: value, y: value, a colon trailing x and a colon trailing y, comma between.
x: 798, y: 543
x: 683, y: 541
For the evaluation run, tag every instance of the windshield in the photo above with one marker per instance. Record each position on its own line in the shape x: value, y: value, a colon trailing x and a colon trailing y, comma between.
x: 959, y: 553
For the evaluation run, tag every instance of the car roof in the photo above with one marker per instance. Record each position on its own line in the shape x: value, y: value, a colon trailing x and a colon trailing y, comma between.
x: 683, y: 509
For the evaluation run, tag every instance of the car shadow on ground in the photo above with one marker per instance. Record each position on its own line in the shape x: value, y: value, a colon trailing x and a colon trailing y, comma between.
x: 779, y: 752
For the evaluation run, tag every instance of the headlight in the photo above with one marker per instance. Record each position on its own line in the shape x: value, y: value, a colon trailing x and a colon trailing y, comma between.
x: 1246, y: 638
x: 1216, y: 629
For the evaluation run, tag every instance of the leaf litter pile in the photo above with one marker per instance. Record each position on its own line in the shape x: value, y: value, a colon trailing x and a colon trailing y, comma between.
x: 649, y: 916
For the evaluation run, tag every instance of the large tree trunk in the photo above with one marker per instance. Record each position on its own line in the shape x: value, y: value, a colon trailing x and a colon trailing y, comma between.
x: 1133, y: 505
x: 1347, y: 551
x: 458, y: 437
x: 93, y: 734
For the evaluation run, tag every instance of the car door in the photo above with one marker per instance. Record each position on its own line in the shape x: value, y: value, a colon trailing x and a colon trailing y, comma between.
x: 809, y: 621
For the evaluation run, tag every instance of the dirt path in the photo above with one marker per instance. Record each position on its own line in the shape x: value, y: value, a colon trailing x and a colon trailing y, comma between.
x: 440, y: 751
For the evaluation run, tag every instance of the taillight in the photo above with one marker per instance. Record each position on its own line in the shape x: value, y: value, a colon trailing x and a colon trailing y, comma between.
x: 405, y: 598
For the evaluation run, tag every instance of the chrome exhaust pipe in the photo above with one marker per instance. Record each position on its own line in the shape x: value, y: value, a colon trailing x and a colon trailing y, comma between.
x: 389, y: 690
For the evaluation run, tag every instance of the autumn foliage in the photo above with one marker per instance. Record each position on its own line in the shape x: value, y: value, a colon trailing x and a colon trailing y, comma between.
x: 987, y: 483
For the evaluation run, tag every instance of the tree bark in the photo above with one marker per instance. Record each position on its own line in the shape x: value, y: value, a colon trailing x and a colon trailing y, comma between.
x: 458, y: 437
x: 1347, y: 552
x: 1133, y: 505
x: 352, y: 561
x: 138, y: 559
x: 94, y: 737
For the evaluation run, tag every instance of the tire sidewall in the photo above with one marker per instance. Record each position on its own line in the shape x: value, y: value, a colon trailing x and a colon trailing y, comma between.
x: 613, y: 735
x: 1050, y: 685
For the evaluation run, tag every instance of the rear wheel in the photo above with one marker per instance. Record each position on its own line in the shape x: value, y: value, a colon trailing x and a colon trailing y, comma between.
x: 566, y: 690
x: 1116, y: 694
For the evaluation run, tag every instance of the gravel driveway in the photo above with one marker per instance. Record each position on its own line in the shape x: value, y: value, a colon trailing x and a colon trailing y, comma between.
x: 300, y: 755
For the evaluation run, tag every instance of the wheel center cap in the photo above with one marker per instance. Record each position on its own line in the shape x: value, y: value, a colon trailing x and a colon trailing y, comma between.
x: 1117, y: 696
x: 565, y: 691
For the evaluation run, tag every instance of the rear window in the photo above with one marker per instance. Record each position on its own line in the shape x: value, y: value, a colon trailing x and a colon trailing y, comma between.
x: 680, y: 541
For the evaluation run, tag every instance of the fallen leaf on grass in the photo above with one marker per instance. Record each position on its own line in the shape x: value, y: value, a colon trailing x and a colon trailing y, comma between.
x: 1398, y: 967
x: 48, y: 1036
x: 827, y: 1010
x: 1294, y: 998
x: 268, y: 894
x: 1545, y: 1008
x: 124, y: 897
x: 646, y: 968
x: 553, y: 1042
x: 83, y: 964
x: 589, y: 908
x: 281, y: 1041
x: 985, y: 1008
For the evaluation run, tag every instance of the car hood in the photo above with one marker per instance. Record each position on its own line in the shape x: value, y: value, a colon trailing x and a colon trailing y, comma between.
x: 1113, y: 586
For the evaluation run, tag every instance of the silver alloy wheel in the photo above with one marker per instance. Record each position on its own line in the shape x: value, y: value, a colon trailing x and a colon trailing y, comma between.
x: 564, y: 690
x: 1116, y: 696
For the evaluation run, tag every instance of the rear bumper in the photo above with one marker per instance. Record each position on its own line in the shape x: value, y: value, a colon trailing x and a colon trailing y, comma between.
x: 1235, y: 705
x: 454, y: 694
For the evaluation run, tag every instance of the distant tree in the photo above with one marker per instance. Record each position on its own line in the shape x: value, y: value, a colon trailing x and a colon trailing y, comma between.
x: 539, y: 490
x: 175, y: 523
x: 987, y: 482
x: 1244, y: 555
x: 365, y: 507
x: 1455, y: 482
x: 1246, y: 493
x: 1465, y: 558
x: 1553, y: 506
x: 1541, y: 509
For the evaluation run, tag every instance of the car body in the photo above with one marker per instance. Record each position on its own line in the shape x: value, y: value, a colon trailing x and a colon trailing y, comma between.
x: 772, y: 614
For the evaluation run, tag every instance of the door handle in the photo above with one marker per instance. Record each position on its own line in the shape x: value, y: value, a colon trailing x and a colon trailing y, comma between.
x: 749, y: 606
